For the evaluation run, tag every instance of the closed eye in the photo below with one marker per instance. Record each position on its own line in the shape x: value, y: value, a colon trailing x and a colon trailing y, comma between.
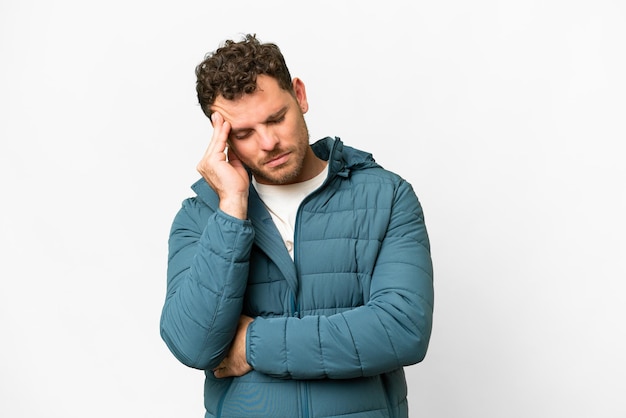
x: 241, y: 134
x: 277, y: 117
x: 276, y: 120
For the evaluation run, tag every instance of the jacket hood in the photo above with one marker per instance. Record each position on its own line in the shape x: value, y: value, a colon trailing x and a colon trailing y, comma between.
x: 341, y: 158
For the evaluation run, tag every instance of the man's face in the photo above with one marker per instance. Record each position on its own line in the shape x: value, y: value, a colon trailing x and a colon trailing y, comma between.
x: 268, y: 131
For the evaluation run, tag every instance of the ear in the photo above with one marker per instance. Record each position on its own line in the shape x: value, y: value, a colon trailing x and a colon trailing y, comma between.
x: 300, y: 92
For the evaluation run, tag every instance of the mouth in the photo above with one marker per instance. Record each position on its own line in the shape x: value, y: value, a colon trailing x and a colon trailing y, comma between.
x: 278, y: 160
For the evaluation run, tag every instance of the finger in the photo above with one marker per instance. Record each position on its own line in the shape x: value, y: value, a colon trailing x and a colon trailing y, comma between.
x: 221, y: 372
x: 221, y: 129
x: 215, y: 151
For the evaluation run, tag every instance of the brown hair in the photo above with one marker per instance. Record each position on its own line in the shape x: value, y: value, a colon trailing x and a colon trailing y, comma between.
x: 231, y: 70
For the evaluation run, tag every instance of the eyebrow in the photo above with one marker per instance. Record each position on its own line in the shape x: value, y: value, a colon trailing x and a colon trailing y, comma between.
x: 277, y: 115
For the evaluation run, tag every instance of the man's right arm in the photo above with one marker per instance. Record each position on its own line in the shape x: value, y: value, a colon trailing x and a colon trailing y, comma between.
x: 206, y: 281
x: 208, y: 260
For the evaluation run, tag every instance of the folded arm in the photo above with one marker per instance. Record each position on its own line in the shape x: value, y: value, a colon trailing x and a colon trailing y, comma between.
x: 391, y: 330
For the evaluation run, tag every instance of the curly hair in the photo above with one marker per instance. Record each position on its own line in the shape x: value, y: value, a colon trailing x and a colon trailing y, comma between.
x: 231, y: 70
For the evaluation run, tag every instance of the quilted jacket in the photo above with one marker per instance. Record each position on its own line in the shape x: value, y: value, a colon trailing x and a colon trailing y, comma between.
x: 334, y: 327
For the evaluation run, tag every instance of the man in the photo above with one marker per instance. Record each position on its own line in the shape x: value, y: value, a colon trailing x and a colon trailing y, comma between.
x: 299, y: 276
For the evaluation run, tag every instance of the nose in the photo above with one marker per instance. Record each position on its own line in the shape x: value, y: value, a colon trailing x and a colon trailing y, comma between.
x: 267, y: 139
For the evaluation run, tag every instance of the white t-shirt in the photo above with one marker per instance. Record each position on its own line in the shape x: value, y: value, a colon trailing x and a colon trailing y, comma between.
x: 282, y: 202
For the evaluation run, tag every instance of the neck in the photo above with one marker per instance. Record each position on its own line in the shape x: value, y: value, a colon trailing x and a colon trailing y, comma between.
x: 313, y: 165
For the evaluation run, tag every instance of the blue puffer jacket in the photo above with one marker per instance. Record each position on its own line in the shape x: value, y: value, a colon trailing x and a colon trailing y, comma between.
x: 333, y: 328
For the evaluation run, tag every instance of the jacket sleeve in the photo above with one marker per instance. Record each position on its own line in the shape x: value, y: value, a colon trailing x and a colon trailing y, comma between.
x: 206, y: 280
x: 390, y: 331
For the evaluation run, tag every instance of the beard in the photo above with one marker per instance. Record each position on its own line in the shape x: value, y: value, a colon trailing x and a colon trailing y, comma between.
x: 286, y: 173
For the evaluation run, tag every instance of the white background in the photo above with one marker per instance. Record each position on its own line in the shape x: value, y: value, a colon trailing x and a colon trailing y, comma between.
x: 506, y: 116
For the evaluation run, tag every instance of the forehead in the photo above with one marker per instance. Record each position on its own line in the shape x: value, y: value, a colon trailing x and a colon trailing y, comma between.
x: 255, y: 107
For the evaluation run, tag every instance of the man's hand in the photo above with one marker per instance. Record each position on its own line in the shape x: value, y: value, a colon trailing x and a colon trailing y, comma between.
x: 235, y: 363
x: 227, y: 176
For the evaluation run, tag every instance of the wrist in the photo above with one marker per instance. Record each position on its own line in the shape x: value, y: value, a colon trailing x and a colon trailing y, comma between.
x: 235, y: 206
